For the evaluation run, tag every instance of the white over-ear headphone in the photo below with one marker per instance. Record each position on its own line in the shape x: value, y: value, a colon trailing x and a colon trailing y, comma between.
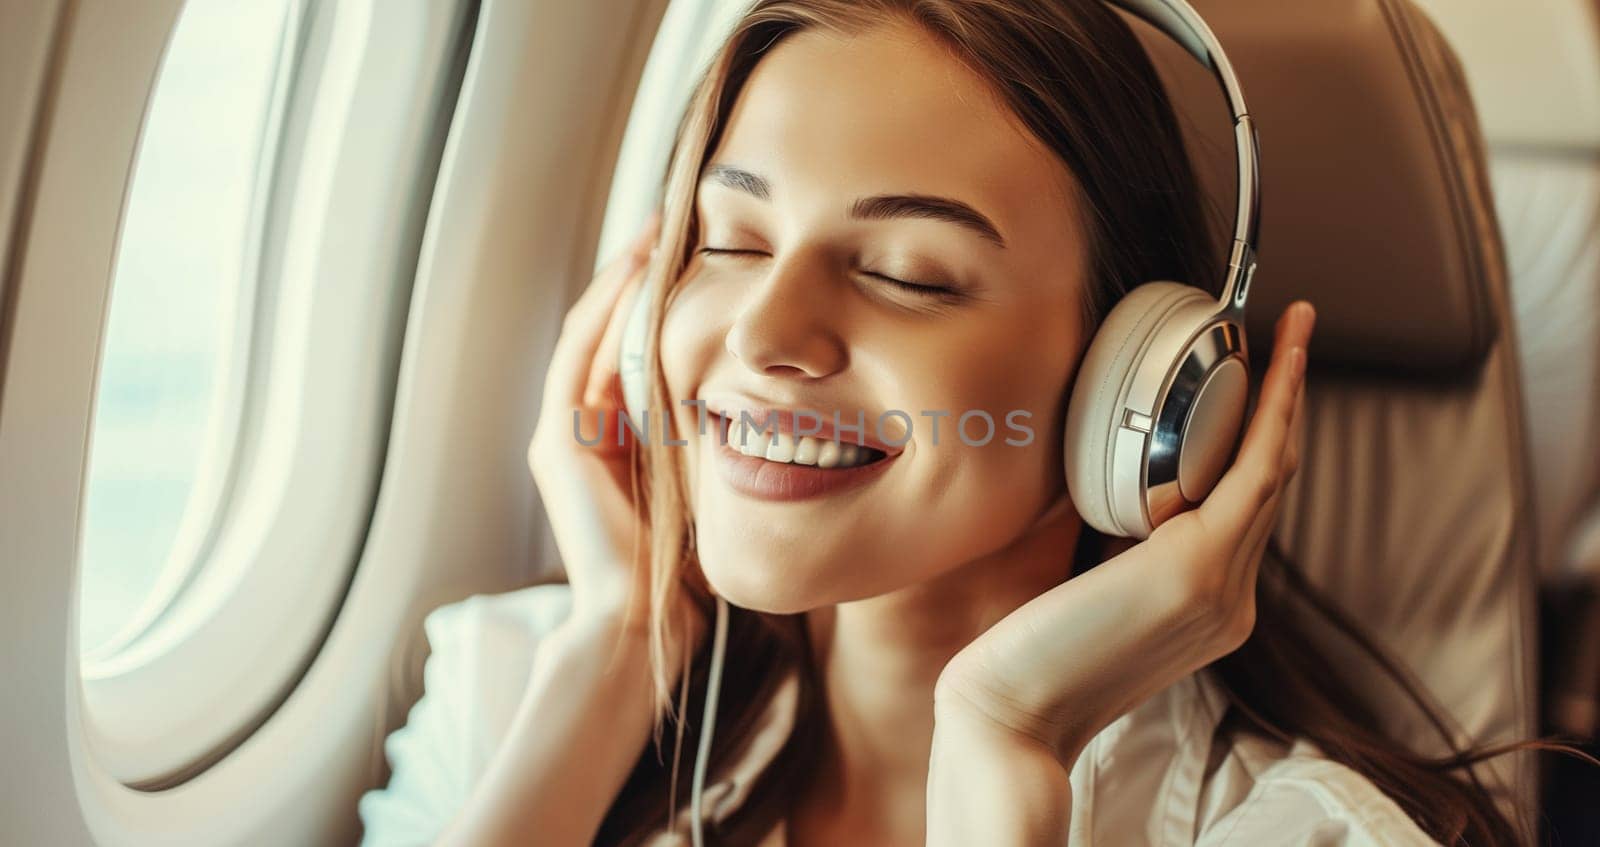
x: 1159, y: 400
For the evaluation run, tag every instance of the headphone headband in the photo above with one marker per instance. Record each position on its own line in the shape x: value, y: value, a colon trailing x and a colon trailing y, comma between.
x: 1177, y: 20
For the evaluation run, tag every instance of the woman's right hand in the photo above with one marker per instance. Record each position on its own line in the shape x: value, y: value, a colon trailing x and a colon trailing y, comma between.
x: 580, y: 724
x: 588, y: 491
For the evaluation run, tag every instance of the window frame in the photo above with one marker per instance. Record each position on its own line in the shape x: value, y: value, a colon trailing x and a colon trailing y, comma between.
x: 228, y: 639
x: 509, y: 243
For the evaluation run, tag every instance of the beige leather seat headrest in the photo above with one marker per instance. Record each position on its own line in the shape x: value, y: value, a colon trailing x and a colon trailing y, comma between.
x: 1375, y: 204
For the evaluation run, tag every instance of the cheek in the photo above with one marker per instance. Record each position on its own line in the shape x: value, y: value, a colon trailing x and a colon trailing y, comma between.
x: 692, y: 334
x: 998, y: 407
x: 975, y: 495
x: 690, y: 341
x: 988, y: 388
x: 973, y: 492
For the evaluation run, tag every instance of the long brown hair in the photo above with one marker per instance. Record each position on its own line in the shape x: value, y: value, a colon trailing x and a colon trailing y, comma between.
x: 1077, y: 78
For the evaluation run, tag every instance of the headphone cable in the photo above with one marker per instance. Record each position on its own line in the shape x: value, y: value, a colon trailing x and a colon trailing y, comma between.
x: 713, y: 684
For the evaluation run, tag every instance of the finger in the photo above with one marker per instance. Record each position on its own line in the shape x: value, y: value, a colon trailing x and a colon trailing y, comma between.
x: 600, y: 298
x: 1247, y: 572
x: 608, y: 281
x: 1290, y: 464
x: 1259, y: 547
x: 1266, y: 522
x: 1247, y: 557
x: 1244, y: 564
x: 1294, y: 450
x: 1285, y: 376
x: 1254, y: 475
x: 585, y: 324
x: 581, y: 332
x: 603, y: 387
x: 1262, y: 528
x: 1248, y: 486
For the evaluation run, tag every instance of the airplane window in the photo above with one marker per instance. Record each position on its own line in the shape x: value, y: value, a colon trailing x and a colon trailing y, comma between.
x: 171, y: 377
x: 258, y: 311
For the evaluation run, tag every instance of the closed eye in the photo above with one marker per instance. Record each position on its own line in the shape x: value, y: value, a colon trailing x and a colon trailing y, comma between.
x: 942, y: 292
x: 914, y: 287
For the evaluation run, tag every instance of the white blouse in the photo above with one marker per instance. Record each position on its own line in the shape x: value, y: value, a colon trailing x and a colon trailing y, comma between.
x: 1150, y: 778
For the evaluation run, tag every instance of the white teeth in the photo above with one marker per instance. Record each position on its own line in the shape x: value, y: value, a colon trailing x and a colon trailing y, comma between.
x: 782, y: 448
x: 806, y: 453
x: 742, y: 439
x: 790, y: 449
x: 828, y: 454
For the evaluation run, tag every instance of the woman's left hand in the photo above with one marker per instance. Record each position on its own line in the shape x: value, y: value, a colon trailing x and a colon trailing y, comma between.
x: 1061, y: 667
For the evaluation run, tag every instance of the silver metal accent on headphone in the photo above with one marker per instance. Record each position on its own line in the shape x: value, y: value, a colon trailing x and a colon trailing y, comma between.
x: 1236, y: 287
x: 1163, y: 498
x: 1179, y: 21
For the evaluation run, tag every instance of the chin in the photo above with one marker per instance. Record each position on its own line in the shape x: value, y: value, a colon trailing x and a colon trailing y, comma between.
x: 764, y: 584
x: 759, y: 589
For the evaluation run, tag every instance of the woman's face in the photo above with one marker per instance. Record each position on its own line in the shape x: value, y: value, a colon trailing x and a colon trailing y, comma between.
x: 849, y: 160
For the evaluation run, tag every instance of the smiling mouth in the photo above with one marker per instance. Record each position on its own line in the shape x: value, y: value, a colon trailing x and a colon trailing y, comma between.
x: 806, y: 450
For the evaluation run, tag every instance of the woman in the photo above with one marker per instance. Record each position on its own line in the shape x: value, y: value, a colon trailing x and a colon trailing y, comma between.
x: 908, y: 661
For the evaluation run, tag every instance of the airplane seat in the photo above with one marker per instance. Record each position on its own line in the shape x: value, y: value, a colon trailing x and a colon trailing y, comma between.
x: 1413, y: 506
x: 1535, y: 71
x: 1549, y: 204
x: 1550, y: 213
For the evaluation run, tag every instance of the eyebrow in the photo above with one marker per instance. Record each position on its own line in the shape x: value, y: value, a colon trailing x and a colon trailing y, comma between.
x: 877, y: 207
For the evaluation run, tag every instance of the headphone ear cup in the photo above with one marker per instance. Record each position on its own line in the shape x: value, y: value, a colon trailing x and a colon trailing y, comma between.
x: 1094, y: 410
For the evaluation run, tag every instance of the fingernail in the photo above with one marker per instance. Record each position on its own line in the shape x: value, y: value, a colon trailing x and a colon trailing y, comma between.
x: 1297, y: 360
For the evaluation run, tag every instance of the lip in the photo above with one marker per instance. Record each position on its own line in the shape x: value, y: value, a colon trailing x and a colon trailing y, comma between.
x: 780, y: 481
x: 787, y: 420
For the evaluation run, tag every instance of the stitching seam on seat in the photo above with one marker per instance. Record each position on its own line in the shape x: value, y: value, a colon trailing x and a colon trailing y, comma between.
x: 1450, y: 175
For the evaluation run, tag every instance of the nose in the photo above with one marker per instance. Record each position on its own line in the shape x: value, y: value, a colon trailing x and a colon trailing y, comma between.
x: 788, y: 326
